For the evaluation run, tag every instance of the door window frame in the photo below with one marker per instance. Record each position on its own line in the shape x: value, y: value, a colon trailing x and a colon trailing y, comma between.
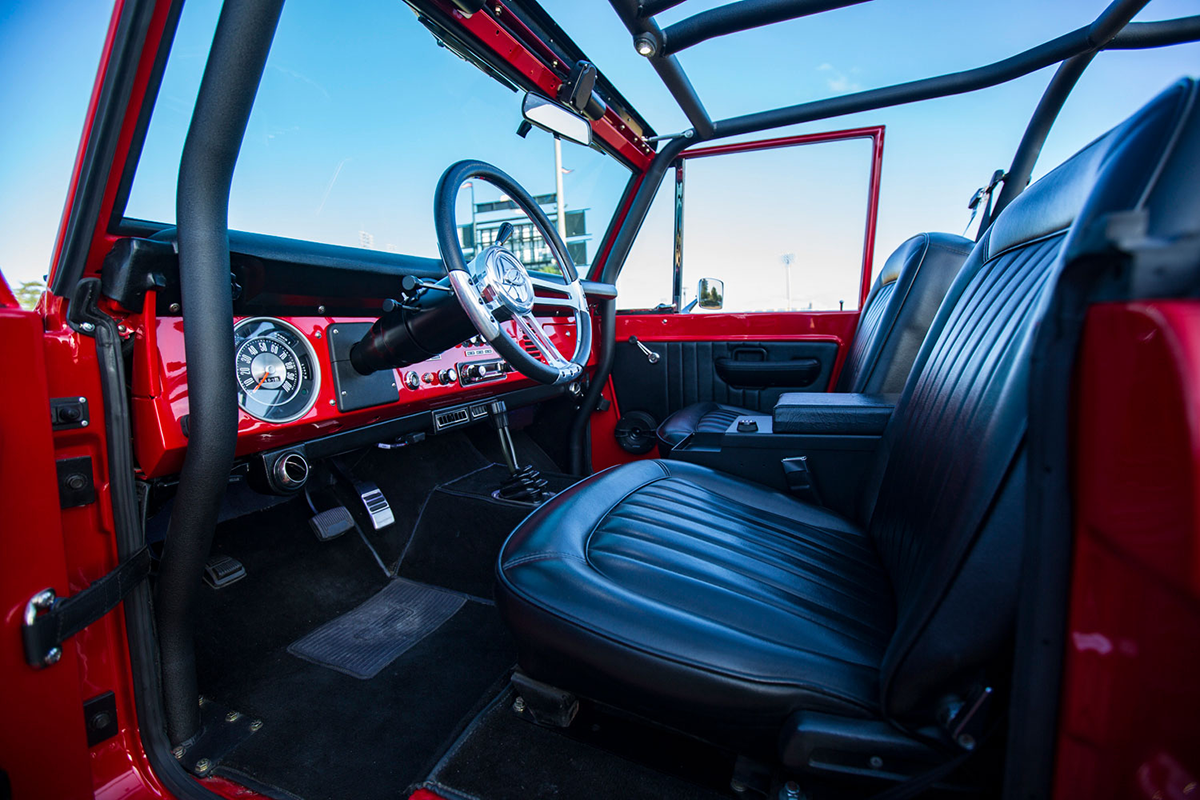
x: 873, y: 133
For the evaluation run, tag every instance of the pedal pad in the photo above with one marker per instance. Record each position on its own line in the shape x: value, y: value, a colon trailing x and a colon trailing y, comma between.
x: 377, y: 505
x: 332, y: 523
x: 220, y: 571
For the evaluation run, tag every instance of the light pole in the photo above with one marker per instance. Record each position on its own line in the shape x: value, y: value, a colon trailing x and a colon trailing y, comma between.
x: 558, y: 190
x: 787, y: 259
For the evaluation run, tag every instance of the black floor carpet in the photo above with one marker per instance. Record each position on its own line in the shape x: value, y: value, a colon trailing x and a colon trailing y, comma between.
x: 450, y: 546
x: 325, y: 734
x: 504, y: 757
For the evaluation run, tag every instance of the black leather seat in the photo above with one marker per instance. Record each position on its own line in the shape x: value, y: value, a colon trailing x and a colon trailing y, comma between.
x: 899, y: 309
x: 731, y: 611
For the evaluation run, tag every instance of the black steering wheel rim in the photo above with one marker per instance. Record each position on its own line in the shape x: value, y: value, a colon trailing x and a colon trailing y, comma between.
x: 482, y: 302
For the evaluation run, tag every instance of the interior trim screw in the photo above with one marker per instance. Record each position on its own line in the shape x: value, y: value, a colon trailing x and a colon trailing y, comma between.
x: 203, y: 766
x: 256, y: 725
x: 87, y: 326
x: 966, y: 741
x: 519, y: 705
x: 791, y: 791
x: 232, y: 716
x: 173, y: 308
x: 876, y: 762
x: 177, y: 752
x: 52, y: 656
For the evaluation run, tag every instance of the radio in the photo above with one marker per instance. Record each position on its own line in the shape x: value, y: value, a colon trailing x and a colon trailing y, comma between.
x: 482, y: 371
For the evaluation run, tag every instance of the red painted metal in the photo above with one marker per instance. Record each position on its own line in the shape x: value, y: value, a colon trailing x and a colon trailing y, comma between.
x: 493, y: 31
x: 874, y: 133
x: 43, y: 744
x: 1130, y: 702
x: 160, y: 401
x: 7, y: 299
x: 425, y: 794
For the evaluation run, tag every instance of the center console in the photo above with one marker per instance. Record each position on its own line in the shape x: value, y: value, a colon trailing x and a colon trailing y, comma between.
x: 818, y: 447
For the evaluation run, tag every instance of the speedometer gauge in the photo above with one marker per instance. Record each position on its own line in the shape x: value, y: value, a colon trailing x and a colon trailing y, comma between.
x: 276, y: 370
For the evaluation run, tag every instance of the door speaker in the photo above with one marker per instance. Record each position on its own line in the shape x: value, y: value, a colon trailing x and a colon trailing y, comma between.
x: 635, y: 432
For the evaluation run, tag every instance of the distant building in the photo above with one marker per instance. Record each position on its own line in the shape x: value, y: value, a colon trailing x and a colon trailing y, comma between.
x: 526, y: 243
x: 366, y: 240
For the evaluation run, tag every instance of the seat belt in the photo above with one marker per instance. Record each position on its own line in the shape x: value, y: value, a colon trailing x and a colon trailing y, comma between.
x: 981, y: 194
x: 51, y: 620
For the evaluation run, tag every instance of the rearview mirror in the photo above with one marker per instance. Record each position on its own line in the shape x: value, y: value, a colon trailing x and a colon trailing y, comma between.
x: 711, y: 294
x: 550, y: 116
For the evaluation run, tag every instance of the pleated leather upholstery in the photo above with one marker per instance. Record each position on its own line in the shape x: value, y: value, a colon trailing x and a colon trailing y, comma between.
x: 723, y: 607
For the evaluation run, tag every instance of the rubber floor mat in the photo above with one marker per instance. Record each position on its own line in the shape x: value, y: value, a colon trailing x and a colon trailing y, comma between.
x: 363, y: 641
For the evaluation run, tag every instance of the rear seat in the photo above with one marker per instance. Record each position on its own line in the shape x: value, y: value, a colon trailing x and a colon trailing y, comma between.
x: 899, y: 309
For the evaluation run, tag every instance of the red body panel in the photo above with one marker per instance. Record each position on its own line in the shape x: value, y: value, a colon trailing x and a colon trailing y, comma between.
x: 1131, y: 698
x: 160, y: 393
x: 43, y: 706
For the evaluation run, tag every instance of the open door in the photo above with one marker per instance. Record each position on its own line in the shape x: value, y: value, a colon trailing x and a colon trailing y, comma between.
x: 746, y: 279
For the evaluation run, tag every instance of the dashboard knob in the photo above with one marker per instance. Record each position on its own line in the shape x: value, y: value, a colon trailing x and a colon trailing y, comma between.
x: 412, y: 380
x: 448, y: 376
x: 427, y: 377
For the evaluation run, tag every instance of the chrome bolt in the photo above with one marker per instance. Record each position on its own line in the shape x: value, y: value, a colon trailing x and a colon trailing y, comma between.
x: 519, y: 705
x: 122, y: 329
x: 203, y: 700
x: 332, y: 402
x: 177, y: 752
x: 256, y: 725
x: 52, y: 656
x: 320, y: 309
x: 876, y: 762
x: 317, y: 334
x: 966, y: 741
x: 173, y: 308
x: 87, y: 327
x: 203, y: 766
x: 83, y: 423
x: 335, y: 331
x: 232, y: 716
x: 83, y: 399
x: 791, y: 791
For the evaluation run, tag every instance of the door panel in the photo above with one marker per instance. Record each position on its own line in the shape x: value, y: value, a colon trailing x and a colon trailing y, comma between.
x: 695, y: 372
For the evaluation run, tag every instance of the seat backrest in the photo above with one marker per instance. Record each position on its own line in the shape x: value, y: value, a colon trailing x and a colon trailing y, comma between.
x: 899, y: 310
x: 948, y: 508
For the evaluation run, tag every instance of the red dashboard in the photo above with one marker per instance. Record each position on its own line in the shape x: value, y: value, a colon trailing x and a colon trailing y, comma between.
x: 160, y: 396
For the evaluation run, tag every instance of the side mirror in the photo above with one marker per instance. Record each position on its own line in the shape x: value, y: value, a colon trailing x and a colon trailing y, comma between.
x: 711, y: 294
x: 550, y: 116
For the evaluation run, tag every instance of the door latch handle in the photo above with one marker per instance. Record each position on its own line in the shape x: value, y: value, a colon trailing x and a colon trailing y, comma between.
x: 650, y: 355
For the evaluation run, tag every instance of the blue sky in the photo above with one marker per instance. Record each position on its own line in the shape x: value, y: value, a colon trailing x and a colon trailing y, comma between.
x: 365, y: 149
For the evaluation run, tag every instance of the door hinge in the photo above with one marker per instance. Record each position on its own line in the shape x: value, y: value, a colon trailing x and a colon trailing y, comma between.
x: 50, y: 620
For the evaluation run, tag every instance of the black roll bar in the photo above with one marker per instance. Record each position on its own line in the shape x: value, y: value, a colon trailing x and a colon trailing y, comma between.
x: 648, y: 8
x: 1104, y: 33
x: 648, y: 36
x: 235, y: 65
x: 740, y: 16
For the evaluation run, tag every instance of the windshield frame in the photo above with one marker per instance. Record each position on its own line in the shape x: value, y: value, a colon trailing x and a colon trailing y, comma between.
x: 514, y: 54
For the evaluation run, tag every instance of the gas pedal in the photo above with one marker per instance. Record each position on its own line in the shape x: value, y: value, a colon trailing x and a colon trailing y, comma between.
x: 332, y: 523
x: 376, y: 504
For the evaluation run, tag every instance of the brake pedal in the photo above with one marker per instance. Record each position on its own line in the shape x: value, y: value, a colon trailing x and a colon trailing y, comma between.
x: 376, y: 504
x: 332, y: 523
x: 220, y: 571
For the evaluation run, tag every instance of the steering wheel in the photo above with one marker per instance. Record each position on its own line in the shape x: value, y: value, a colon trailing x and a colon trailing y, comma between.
x: 496, y: 286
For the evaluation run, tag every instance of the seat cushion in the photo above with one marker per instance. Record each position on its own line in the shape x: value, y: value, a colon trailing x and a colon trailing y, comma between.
x: 699, y: 599
x: 706, y: 417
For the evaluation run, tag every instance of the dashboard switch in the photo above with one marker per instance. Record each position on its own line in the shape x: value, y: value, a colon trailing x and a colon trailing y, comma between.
x: 448, y: 376
x: 412, y: 380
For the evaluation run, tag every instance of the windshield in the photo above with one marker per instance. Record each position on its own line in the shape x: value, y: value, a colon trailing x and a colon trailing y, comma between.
x: 359, y: 112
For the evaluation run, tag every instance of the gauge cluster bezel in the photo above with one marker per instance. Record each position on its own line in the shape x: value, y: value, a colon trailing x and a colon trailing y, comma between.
x: 308, y: 368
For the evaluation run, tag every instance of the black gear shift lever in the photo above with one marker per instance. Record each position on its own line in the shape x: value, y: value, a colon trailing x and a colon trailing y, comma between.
x: 524, y: 484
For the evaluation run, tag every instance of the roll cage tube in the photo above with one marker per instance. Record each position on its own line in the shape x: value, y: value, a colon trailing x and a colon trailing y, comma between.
x: 235, y: 65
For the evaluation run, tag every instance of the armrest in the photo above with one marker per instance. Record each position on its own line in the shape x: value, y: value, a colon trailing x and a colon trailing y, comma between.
x: 821, y: 413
